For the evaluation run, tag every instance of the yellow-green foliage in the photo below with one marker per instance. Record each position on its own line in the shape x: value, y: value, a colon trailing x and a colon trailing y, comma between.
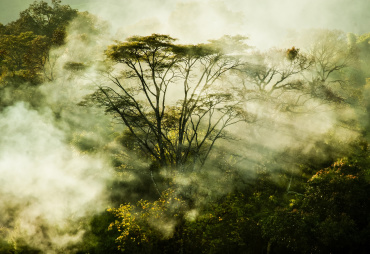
x: 147, y: 222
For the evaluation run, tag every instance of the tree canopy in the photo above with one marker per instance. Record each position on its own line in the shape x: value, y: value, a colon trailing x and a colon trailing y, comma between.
x: 170, y: 97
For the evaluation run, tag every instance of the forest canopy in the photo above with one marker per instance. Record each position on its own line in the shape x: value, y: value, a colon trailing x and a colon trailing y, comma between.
x: 147, y: 144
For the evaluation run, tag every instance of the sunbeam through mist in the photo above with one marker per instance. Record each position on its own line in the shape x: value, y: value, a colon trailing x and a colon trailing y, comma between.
x: 184, y: 126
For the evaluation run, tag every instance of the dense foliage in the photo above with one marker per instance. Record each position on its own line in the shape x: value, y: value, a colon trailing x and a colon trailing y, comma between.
x: 188, y: 189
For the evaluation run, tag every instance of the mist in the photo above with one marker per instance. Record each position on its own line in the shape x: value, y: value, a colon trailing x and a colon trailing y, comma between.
x: 58, y: 159
x: 46, y: 185
x: 267, y: 23
x: 50, y: 180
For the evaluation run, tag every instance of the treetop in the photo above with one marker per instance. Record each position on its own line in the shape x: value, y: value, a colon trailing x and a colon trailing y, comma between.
x: 138, y: 47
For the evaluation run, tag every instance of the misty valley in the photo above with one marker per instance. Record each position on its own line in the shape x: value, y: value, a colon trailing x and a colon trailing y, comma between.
x: 134, y: 140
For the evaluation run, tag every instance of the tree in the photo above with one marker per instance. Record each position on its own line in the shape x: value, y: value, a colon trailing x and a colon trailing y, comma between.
x: 324, y: 72
x: 23, y: 56
x: 361, y: 43
x: 225, y: 227
x: 25, y: 43
x: 43, y: 19
x: 332, y: 58
x: 273, y: 76
x: 274, y: 70
x: 170, y: 97
x: 138, y: 225
x: 331, y: 216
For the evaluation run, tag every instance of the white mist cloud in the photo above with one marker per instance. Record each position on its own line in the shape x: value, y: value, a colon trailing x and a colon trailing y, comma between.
x: 266, y: 22
x: 50, y: 184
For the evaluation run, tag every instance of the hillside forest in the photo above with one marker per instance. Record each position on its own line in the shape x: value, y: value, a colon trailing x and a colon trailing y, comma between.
x: 144, y: 144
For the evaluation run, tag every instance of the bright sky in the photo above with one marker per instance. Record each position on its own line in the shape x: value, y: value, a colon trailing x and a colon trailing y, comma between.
x: 266, y: 22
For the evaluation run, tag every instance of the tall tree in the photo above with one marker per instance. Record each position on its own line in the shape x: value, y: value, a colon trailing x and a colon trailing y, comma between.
x: 44, y: 19
x: 293, y: 78
x: 26, y: 42
x: 274, y: 76
x: 23, y: 56
x: 333, y: 57
x: 170, y: 97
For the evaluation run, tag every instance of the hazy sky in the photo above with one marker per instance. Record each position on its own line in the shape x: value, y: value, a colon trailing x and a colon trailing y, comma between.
x: 265, y: 21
